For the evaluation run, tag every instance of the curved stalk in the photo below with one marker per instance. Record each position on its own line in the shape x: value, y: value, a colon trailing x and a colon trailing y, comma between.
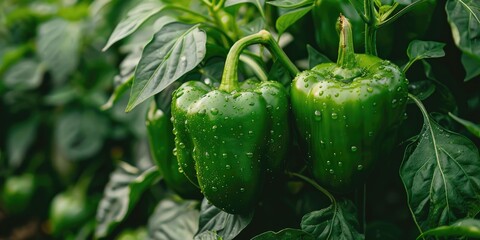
x: 400, y: 13
x: 230, y: 76
x: 315, y: 185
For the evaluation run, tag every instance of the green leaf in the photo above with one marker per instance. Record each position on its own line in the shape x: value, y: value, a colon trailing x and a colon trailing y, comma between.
x: 122, y: 192
x: 208, y: 235
x: 173, y: 220
x: 24, y: 75
x: 253, y: 26
x: 61, y: 95
x: 425, y: 49
x: 441, y: 174
x: 471, y: 127
x: 19, y: 138
x: 418, y: 50
x: 285, y: 234
x: 337, y: 221
x: 289, y: 18
x: 174, y: 50
x: 463, y: 228
x: 58, y: 44
x: 258, y: 3
x: 315, y: 57
x: 422, y: 89
x: 117, y: 93
x: 471, y: 65
x: 134, y: 19
x: 464, y: 19
x: 80, y: 135
x: 226, y: 225
x: 290, y: 4
x: 279, y: 73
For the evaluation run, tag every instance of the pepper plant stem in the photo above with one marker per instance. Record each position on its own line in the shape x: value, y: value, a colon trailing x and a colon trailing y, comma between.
x: 230, y: 76
x: 370, y: 28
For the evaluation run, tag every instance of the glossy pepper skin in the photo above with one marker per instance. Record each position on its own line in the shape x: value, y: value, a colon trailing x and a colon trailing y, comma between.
x: 161, y: 140
x: 347, y: 113
x: 182, y: 98
x: 237, y: 138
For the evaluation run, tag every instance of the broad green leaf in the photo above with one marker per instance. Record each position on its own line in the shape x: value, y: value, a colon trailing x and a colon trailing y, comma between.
x: 290, y: 4
x: 471, y: 65
x: 12, y: 54
x: 471, y: 127
x: 289, y: 18
x: 285, y: 234
x: 80, y: 135
x: 226, y: 225
x: 24, y: 75
x: 173, y: 220
x: 19, y: 138
x: 463, y: 228
x: 279, y: 73
x: 208, y: 235
x: 122, y: 192
x: 441, y: 174
x: 315, y: 57
x: 418, y: 50
x: 422, y: 89
x: 425, y: 49
x: 336, y: 222
x: 259, y: 4
x: 117, y: 93
x: 58, y: 44
x: 464, y: 19
x: 61, y: 96
x: 134, y: 19
x: 253, y: 26
x: 174, y: 50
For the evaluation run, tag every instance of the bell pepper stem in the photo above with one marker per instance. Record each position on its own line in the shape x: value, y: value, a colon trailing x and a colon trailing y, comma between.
x: 230, y: 76
x: 346, y: 51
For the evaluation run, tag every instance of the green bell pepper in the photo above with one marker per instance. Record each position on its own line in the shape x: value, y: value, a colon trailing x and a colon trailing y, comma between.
x: 347, y: 113
x: 18, y: 193
x: 69, y: 210
x: 233, y: 136
x: 161, y: 140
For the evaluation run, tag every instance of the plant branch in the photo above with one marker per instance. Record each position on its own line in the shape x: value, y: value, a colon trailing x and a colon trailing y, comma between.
x: 400, y: 13
x: 315, y: 185
x: 370, y: 29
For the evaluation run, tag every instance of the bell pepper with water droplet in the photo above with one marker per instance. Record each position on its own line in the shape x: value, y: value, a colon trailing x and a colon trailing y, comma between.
x: 347, y: 113
x: 232, y: 138
x: 161, y: 139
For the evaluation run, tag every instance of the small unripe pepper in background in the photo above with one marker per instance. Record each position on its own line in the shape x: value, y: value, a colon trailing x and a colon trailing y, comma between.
x: 18, y: 193
x: 348, y: 113
x: 236, y: 135
x: 161, y: 140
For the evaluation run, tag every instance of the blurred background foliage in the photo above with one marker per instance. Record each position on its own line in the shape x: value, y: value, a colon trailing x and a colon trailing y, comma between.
x: 58, y: 148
